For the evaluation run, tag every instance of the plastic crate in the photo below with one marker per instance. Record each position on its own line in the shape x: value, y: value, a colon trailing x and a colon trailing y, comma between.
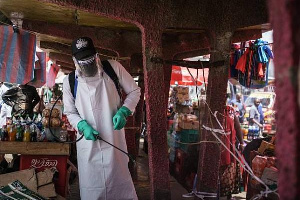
x: 39, y: 163
x: 189, y: 135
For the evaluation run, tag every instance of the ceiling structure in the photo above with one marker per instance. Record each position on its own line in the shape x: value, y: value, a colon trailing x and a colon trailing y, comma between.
x: 36, y: 11
x: 149, y: 28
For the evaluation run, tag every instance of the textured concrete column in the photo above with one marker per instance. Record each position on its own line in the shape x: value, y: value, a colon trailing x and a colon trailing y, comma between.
x: 285, y: 19
x: 209, y: 157
x: 156, y: 116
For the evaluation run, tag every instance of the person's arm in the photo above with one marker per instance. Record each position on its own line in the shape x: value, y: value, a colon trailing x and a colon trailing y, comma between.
x: 36, y: 97
x: 238, y: 130
x: 69, y: 104
x: 252, y: 113
x: 129, y: 86
x: 9, y: 96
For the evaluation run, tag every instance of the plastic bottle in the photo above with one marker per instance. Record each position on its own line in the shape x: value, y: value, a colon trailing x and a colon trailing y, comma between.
x: 33, y: 134
x: 63, y: 136
x: 26, y: 136
x: 12, y: 133
x: 20, y: 133
x: 4, y: 136
x: 250, y: 133
x: 8, y: 127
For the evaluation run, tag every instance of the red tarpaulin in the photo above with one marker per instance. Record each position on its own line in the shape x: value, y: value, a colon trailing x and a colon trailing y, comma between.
x: 17, y: 55
x: 183, y: 77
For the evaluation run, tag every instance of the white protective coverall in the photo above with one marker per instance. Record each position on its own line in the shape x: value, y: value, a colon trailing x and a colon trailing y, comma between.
x: 103, y: 170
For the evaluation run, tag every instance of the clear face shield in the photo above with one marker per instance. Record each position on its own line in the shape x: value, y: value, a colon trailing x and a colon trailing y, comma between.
x: 88, y: 67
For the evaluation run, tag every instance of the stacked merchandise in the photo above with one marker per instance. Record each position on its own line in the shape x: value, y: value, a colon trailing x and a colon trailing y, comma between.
x: 182, y: 132
x: 188, y: 126
x: 250, y: 67
x: 264, y: 167
x: 181, y: 94
x: 36, y: 130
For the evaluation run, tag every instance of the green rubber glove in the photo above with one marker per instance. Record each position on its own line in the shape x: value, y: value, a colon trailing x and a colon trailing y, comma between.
x: 87, y: 130
x: 119, y: 119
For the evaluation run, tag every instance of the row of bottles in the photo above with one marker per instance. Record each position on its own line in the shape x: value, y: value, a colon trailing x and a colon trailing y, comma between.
x: 27, y: 130
x: 21, y: 133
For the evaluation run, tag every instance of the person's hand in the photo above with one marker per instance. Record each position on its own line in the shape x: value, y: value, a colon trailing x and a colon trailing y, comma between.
x: 88, y: 131
x: 260, y: 126
x: 119, y: 119
x: 241, y: 147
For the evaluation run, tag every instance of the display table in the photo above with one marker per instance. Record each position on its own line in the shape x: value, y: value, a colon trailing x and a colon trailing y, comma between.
x: 41, y: 155
x: 35, y: 148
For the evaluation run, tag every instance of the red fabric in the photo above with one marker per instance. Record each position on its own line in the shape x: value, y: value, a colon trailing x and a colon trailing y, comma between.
x: 260, y: 70
x: 183, y: 77
x: 241, y: 64
x: 226, y: 157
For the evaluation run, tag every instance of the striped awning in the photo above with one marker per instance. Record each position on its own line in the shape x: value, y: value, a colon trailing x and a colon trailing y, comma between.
x: 17, y: 55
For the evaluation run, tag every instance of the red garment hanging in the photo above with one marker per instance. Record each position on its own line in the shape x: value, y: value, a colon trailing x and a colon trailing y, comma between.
x: 241, y: 64
x: 226, y: 157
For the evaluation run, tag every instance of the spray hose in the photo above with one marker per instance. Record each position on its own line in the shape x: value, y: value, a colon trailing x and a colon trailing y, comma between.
x: 98, y: 137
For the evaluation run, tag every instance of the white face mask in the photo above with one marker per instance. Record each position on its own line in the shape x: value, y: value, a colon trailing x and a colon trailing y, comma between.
x: 87, y: 67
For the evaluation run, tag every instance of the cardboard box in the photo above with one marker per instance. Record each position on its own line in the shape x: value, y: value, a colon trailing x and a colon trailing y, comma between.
x: 264, y: 146
x: 40, y: 163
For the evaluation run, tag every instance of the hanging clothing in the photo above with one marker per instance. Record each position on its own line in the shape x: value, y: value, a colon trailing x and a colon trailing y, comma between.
x: 226, y: 157
x: 253, y: 65
x: 103, y: 170
x: 234, y: 57
x: 229, y: 170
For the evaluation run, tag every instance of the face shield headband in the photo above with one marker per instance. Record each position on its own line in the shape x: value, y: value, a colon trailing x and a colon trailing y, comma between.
x: 88, y: 67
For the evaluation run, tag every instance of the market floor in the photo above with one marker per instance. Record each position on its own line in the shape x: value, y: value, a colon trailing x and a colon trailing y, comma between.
x: 142, y: 184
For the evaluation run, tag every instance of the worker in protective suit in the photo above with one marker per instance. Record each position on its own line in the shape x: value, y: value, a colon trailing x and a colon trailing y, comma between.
x: 97, y: 109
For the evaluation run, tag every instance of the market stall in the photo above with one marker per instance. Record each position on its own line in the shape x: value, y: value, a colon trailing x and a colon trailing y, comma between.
x: 184, y: 117
x: 33, y: 136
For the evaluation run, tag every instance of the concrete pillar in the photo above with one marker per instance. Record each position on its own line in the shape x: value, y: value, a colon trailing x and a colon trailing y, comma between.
x: 284, y: 15
x: 156, y: 116
x: 209, y: 157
